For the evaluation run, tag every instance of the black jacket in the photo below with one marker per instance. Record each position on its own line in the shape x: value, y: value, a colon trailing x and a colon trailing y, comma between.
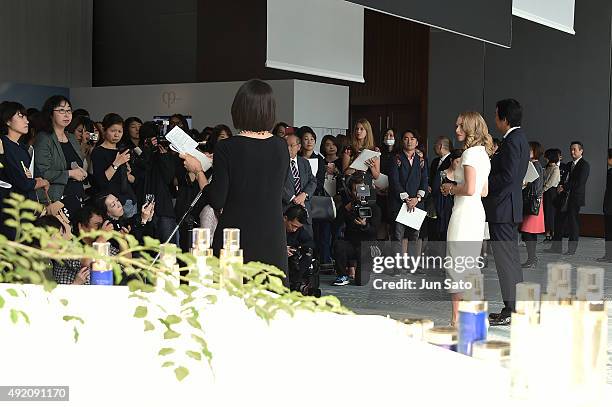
x: 575, y: 182
x: 607, y: 206
x: 356, y: 233
x: 504, y: 204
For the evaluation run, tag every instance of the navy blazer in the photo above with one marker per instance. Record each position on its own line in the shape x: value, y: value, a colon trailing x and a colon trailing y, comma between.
x: 504, y: 204
x: 14, y: 155
x: 404, y: 177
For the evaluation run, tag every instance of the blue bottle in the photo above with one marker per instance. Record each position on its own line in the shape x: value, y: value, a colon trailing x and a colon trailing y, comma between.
x: 101, y: 270
x: 473, y: 321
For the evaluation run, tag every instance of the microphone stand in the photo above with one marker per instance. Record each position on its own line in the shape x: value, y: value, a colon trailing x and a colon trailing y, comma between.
x: 180, y: 223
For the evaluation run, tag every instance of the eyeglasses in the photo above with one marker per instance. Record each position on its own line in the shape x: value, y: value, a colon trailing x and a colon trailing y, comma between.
x: 63, y: 111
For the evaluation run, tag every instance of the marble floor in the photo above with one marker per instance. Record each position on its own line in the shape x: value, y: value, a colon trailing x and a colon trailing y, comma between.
x: 400, y: 304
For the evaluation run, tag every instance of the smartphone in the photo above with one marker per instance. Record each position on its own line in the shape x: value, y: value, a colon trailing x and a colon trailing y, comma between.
x: 149, y: 199
x: 74, y: 165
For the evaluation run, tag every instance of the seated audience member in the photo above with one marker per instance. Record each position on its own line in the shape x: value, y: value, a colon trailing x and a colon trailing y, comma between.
x: 607, y: 210
x: 18, y: 172
x: 139, y: 225
x: 68, y: 271
x: 300, y: 246
x: 111, y: 169
x: 361, y: 221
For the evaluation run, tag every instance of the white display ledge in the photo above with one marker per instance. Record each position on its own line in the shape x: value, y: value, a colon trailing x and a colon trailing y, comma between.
x: 312, y: 359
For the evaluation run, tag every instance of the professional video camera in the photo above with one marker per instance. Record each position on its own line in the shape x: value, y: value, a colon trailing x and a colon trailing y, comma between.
x: 362, y: 208
x: 304, y: 272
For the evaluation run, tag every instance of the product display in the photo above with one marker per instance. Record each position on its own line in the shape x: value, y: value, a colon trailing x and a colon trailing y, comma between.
x: 230, y: 256
x: 416, y: 327
x: 473, y: 321
x: 444, y: 337
x: 101, y: 270
x: 497, y: 352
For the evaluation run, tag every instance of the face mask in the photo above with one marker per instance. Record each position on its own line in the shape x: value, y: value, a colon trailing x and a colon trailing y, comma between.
x: 389, y: 142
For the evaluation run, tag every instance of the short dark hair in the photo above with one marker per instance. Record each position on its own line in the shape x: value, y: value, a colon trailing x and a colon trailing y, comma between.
x: 510, y: 110
x: 77, y: 121
x: 80, y: 112
x: 7, y: 111
x: 111, y: 119
x: 126, y: 127
x: 325, y: 139
x: 148, y: 130
x: 47, y: 109
x: 578, y: 143
x: 183, y: 120
x: 414, y: 132
x: 536, y: 149
x: 214, y: 137
x: 552, y: 155
x: 296, y: 212
x: 85, y: 214
x: 277, y: 126
x: 302, y: 131
x: 446, y: 141
x: 456, y: 153
x: 254, y: 107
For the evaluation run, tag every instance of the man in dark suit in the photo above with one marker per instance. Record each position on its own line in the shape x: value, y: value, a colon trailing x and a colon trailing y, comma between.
x: 574, y: 185
x: 300, y: 183
x: 442, y: 162
x: 504, y: 203
x: 408, y: 182
x: 607, y: 210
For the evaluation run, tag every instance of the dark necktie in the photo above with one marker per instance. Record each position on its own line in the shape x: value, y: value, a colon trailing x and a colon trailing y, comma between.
x: 296, y: 178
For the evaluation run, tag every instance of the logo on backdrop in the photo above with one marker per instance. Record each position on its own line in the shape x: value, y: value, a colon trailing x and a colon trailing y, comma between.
x: 169, y: 98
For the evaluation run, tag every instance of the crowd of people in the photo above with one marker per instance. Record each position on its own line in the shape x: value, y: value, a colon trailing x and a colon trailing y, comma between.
x: 121, y: 174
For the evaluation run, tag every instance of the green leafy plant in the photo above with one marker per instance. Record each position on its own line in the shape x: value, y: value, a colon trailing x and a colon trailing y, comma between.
x: 259, y: 286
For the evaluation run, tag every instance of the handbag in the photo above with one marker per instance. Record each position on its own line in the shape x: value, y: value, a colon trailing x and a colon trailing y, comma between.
x: 322, y: 208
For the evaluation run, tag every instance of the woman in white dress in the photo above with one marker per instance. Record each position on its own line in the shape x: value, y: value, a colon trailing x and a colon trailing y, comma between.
x: 467, y: 222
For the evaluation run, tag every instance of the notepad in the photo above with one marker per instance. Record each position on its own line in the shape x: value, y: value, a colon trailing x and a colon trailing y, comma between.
x: 359, y: 163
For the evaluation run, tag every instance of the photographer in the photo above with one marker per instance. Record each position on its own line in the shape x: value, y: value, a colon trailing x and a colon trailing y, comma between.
x: 300, y: 247
x: 362, y: 218
x: 159, y: 167
x: 139, y: 225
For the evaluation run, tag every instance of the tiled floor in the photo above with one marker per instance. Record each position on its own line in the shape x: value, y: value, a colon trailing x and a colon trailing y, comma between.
x: 401, y: 304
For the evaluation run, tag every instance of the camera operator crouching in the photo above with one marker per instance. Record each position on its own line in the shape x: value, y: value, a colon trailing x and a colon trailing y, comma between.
x: 303, y: 266
x: 361, y: 217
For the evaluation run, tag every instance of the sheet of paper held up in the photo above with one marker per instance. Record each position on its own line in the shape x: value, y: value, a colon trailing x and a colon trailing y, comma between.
x: 412, y: 219
x: 359, y: 163
x: 181, y: 142
x: 531, y: 174
x: 314, y: 165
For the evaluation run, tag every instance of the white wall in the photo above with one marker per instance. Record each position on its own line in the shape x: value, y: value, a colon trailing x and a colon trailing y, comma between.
x: 297, y: 102
x: 46, y: 42
x: 208, y: 103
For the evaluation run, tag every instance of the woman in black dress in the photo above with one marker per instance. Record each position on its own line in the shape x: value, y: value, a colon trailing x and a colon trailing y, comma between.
x: 250, y: 171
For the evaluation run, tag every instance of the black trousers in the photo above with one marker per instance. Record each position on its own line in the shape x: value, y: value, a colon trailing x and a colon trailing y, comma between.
x: 344, y: 252
x: 571, y: 218
x: 504, y: 244
x: 531, y: 240
x: 608, y: 243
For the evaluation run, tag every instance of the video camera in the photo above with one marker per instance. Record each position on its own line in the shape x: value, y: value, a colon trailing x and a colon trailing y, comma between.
x: 304, y: 272
x: 162, y: 130
x: 362, y: 209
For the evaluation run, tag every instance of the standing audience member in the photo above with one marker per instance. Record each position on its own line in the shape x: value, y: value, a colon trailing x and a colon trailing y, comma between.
x: 533, y: 219
x: 408, y: 182
x: 329, y: 151
x: 308, y: 140
x: 552, y: 176
x: 300, y: 184
x: 13, y: 126
x: 607, y: 210
x: 504, y: 203
x: 131, y: 133
x: 391, y: 142
x: 444, y: 203
x: 442, y: 162
x: 58, y: 157
x: 333, y: 164
x: 572, y: 194
x: 361, y: 139
x: 111, y: 170
x: 279, y: 129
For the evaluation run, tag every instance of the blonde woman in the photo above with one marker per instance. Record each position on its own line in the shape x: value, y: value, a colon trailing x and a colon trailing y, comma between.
x: 361, y: 139
x: 467, y: 222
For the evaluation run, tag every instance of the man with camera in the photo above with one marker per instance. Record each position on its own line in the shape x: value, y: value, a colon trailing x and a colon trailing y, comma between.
x: 303, y: 267
x: 361, y: 217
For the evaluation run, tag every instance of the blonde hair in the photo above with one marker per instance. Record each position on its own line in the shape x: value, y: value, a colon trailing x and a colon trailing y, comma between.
x: 476, y: 131
x: 368, y: 142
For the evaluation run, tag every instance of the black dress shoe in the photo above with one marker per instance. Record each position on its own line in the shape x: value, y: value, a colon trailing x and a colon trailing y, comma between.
x: 530, y: 264
x: 569, y: 253
x: 604, y: 259
x: 505, y: 312
x: 551, y: 250
x: 501, y: 321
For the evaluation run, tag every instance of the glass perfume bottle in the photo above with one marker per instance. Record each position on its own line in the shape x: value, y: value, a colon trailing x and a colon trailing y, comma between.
x: 444, y: 337
x: 590, y: 347
x: 201, y: 250
x: 525, y: 339
x: 415, y: 328
x: 495, y: 352
x: 101, y: 269
x: 231, y: 257
x: 168, y: 258
x: 472, y: 320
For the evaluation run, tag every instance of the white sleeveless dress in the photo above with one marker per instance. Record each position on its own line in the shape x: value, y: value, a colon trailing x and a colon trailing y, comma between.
x: 466, y: 229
